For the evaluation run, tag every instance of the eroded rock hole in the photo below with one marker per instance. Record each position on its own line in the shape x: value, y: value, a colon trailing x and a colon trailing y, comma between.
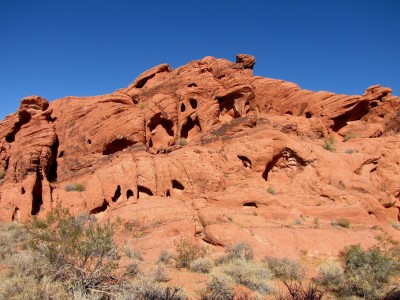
x: 308, y: 115
x: 61, y: 154
x: 22, y: 190
x: 89, y: 141
x: 189, y: 126
x: 193, y: 103
x: 289, y: 112
x: 100, y: 208
x: 15, y: 216
x: 117, y: 145
x: 117, y: 194
x: 183, y: 107
x: 129, y: 194
x: 24, y: 117
x: 246, y: 162
x: 37, y: 199
x: 52, y: 172
x: 289, y: 158
x: 144, y: 190
x: 192, y: 84
x: 168, y: 194
x: 157, y: 120
x: 177, y: 185
x: 253, y: 204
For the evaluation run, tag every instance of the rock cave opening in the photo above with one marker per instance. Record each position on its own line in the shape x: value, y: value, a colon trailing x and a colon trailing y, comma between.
x: 252, y: 204
x: 183, y: 107
x: 37, y: 199
x: 166, y: 124
x: 193, y: 84
x: 177, y: 185
x: 89, y: 141
x: 308, y: 115
x: 61, y: 154
x: 168, y: 194
x: 22, y: 190
x: 227, y: 105
x: 15, y: 216
x: 144, y: 190
x: 193, y: 103
x: 117, y: 194
x: 285, y: 159
x: 24, y: 117
x: 191, y: 127
x: 100, y: 208
x: 52, y: 172
x: 117, y: 145
x: 246, y: 161
x: 129, y: 194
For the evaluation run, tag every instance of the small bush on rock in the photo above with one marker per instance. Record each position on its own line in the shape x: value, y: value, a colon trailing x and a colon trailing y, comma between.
x: 186, y: 252
x: 285, y: 269
x: 77, y: 187
x: 201, y: 265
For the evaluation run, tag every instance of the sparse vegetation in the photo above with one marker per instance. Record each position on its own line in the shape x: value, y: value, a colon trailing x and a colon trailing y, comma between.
x: 349, y: 136
x: 349, y: 151
x: 271, y: 190
x: 141, y: 105
x: 186, y: 252
x: 296, y: 291
x: 2, y: 173
x: 165, y: 257
x: 328, y: 145
x: 365, y: 272
x: 201, y: 265
x: 285, y: 269
x: 74, y: 187
x: 182, y: 141
x: 342, y: 222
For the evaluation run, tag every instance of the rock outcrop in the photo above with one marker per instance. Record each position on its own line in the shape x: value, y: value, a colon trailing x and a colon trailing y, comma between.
x: 211, y: 151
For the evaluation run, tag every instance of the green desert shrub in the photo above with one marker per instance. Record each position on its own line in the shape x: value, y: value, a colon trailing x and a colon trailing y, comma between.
x: 328, y: 145
x: 74, y: 187
x: 187, y: 251
x: 250, y: 274
x: 182, y: 141
x: 146, y: 289
x: 165, y: 257
x: 366, y: 273
x: 201, y: 265
x: 271, y: 190
x: 342, y: 222
x: 285, y: 269
x: 220, y: 286
x: 83, y: 253
x: 240, y: 250
x: 349, y: 136
x: 330, y: 275
x: 160, y: 274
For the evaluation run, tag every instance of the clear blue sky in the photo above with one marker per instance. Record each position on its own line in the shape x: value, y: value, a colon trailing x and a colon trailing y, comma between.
x: 55, y: 48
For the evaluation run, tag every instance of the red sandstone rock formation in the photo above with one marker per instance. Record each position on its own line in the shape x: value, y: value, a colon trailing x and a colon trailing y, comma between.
x: 253, y: 169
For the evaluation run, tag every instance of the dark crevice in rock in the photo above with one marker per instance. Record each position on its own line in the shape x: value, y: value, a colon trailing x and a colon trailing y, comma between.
x: 308, y: 115
x: 246, y: 162
x: 22, y: 190
x: 61, y: 154
x: 89, y: 141
x: 144, y: 190
x: 100, y: 208
x: 193, y: 103
x: 15, y: 216
x: 190, y: 125
x: 117, y: 145
x: 129, y: 194
x: 157, y: 119
x: 37, y: 199
x: 24, y: 117
x: 117, y: 194
x: 192, y: 84
x: 253, y: 204
x: 168, y: 194
x: 52, y: 172
x: 177, y: 185
x: 183, y: 107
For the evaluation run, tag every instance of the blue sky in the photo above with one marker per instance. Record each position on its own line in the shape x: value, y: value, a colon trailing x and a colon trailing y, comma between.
x: 56, y: 48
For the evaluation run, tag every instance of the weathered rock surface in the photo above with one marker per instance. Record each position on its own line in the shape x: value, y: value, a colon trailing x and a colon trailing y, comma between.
x: 210, y: 151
